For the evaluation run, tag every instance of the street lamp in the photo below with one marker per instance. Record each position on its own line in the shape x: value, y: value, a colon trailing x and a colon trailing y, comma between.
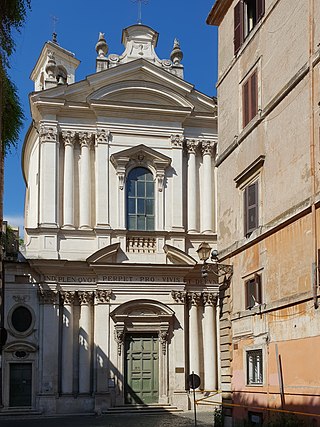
x: 215, y: 268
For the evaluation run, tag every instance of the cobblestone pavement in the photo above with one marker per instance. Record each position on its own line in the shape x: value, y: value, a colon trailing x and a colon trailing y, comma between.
x: 204, y: 419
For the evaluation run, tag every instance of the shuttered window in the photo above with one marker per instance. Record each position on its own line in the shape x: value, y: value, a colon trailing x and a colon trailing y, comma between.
x: 250, y: 98
x: 251, y: 214
x: 247, y: 13
x: 253, y: 292
x: 238, y: 26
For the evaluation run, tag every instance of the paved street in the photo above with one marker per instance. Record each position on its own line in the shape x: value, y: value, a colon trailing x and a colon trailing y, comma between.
x: 130, y: 420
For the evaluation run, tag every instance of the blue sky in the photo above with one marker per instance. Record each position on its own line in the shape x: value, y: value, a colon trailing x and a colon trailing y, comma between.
x: 78, y: 26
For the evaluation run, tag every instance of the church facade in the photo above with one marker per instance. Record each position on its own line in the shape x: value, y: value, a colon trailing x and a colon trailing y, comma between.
x: 108, y: 306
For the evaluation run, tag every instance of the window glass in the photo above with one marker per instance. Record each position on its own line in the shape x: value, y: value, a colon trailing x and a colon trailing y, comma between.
x: 140, y: 200
x: 254, y: 367
x: 21, y: 319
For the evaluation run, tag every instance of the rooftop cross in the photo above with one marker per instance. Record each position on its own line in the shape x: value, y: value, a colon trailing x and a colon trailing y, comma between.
x: 140, y: 2
x: 54, y: 26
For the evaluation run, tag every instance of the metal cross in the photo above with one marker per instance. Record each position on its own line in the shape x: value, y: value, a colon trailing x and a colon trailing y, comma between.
x: 54, y: 25
x: 140, y: 2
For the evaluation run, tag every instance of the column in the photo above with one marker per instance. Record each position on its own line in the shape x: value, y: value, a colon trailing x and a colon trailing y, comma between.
x: 85, y: 341
x: 163, y: 364
x: 192, y: 145
x: 210, y: 341
x: 85, y: 139
x: 102, y: 340
x: 177, y: 179
x: 102, y: 178
x: 48, y: 361
x: 48, y: 181
x: 207, y: 195
x: 68, y: 138
x: 194, y: 330
x: 67, y: 342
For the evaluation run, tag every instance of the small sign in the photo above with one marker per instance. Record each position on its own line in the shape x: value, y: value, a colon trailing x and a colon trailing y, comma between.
x: 194, y: 381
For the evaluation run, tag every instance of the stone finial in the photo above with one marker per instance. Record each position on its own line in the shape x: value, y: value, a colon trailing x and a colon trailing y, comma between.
x: 51, y: 66
x: 102, y: 47
x: 176, y: 54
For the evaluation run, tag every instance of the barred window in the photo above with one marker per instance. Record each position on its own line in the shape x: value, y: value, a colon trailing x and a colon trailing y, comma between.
x: 254, y: 367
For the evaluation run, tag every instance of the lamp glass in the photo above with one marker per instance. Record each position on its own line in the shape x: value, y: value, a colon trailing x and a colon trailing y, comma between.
x: 204, y: 251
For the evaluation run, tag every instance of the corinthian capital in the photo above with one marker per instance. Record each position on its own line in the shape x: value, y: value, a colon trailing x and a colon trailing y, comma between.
x: 207, y: 147
x: 179, y: 296
x: 85, y: 138
x: 48, y: 133
x: 177, y: 141
x: 68, y: 297
x: 85, y: 298
x: 102, y: 136
x: 47, y: 296
x: 68, y: 137
x: 192, y: 145
x: 103, y: 296
x: 210, y: 298
x: 194, y: 298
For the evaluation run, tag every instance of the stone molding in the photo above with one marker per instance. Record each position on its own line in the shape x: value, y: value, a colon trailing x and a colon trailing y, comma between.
x: 163, y: 337
x: 119, y: 337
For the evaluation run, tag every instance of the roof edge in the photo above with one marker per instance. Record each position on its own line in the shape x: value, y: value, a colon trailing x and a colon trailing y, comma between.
x: 218, y: 11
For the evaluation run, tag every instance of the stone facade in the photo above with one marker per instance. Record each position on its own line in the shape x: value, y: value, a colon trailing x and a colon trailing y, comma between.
x: 116, y: 313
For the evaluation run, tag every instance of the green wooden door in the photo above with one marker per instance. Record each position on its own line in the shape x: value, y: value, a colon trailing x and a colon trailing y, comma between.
x: 141, y: 369
x: 20, y: 384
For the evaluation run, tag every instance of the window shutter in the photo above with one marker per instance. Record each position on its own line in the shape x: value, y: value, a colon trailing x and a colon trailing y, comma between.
x: 260, y: 9
x: 245, y: 103
x: 258, y: 294
x: 251, y: 216
x: 238, y: 26
x: 253, y: 95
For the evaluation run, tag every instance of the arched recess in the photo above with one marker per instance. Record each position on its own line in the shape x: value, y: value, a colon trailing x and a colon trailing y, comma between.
x: 145, y: 317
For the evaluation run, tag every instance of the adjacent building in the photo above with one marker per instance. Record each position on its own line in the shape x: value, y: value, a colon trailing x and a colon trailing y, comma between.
x: 108, y: 306
x: 268, y: 206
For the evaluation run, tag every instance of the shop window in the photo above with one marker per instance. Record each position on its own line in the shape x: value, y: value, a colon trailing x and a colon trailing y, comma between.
x: 247, y: 13
x: 250, y: 98
x: 140, y: 200
x: 253, y: 291
x: 251, y: 211
x: 254, y: 367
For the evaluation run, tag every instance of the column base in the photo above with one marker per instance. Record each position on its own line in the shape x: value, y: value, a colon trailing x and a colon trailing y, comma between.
x: 68, y: 227
x: 85, y: 227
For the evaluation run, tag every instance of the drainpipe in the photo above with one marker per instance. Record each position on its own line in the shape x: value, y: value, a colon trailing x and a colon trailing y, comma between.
x: 312, y: 157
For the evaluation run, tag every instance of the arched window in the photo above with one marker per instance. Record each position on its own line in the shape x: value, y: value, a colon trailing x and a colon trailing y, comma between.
x: 140, y: 200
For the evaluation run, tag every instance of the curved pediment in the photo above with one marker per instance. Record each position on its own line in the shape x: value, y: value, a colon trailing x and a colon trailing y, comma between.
x: 142, y: 308
x: 105, y: 255
x: 177, y: 256
x: 140, y: 92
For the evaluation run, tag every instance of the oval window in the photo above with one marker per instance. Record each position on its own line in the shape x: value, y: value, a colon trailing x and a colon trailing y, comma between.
x: 21, y: 319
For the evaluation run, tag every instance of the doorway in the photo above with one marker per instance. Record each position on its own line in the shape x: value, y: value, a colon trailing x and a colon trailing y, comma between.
x: 20, y: 384
x: 141, y: 369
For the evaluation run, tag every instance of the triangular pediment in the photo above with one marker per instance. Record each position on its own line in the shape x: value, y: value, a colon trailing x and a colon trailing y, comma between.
x: 140, y: 154
x: 135, y: 83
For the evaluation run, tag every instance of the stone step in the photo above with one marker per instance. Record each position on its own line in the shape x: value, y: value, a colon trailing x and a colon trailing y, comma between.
x: 143, y: 409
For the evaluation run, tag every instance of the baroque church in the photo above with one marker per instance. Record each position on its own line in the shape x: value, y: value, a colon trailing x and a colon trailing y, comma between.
x: 108, y: 307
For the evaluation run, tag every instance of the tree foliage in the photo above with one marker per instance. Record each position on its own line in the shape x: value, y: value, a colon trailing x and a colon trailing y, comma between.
x: 12, y: 17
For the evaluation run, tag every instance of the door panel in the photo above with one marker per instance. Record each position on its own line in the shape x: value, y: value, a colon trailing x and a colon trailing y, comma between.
x: 141, y: 369
x: 20, y: 384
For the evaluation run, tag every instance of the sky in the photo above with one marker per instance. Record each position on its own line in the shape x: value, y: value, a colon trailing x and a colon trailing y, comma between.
x: 78, y: 26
